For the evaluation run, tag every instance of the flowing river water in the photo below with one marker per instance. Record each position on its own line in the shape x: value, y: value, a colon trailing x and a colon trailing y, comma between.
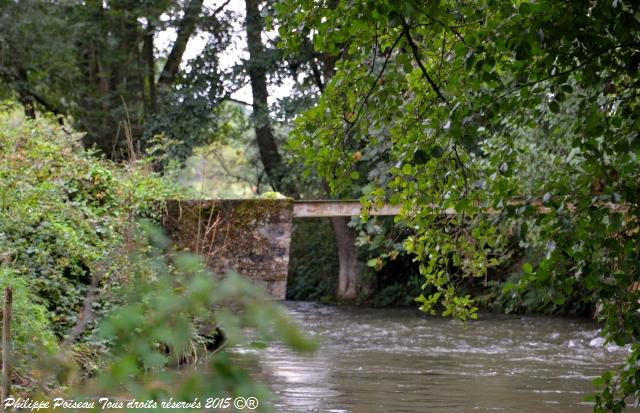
x: 399, y: 360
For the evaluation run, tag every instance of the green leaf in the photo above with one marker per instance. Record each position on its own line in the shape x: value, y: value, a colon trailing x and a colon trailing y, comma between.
x: 437, y: 151
x: 420, y: 157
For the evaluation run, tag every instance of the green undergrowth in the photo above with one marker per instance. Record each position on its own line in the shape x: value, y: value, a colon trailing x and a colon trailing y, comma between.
x: 78, y: 232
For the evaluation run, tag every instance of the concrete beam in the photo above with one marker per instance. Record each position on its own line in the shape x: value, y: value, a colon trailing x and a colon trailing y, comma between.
x: 330, y: 208
x: 317, y: 209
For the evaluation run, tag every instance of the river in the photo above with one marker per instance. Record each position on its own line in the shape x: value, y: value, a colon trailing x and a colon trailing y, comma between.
x: 399, y: 360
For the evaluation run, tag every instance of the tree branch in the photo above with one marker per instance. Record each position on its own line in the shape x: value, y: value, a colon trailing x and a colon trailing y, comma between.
x: 373, y: 85
x: 87, y: 314
x: 48, y: 106
x: 20, y: 86
x: 221, y: 7
x: 185, y: 30
x: 316, y: 74
x: 416, y: 54
x: 559, y: 74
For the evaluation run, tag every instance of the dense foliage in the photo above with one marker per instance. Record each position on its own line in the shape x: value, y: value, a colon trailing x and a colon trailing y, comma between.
x: 483, y: 116
x: 67, y: 221
x: 100, y: 65
x: 313, y: 261
x: 63, y: 211
x: 100, y: 293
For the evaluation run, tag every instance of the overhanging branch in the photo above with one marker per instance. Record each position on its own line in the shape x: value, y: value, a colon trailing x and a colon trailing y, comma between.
x: 416, y: 54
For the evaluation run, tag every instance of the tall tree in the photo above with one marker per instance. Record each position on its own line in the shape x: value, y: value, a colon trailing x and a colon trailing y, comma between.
x: 105, y: 72
x: 257, y: 68
x: 351, y: 269
x: 440, y: 95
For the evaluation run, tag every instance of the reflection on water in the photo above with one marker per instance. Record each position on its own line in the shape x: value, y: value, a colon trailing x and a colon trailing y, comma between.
x: 398, y: 360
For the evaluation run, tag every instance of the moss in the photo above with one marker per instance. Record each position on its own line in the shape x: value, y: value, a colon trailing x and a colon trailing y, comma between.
x: 251, y: 210
x: 272, y: 195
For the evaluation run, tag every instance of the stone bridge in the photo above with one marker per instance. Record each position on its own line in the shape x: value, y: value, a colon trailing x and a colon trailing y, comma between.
x: 251, y: 236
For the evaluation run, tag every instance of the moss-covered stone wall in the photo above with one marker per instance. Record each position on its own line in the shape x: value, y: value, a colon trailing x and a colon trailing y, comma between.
x: 250, y: 236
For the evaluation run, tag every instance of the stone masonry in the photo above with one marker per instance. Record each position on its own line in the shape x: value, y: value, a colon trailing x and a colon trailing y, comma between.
x: 250, y: 236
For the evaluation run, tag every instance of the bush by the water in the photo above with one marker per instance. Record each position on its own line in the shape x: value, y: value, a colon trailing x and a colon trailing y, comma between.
x: 67, y: 218
x: 95, y: 294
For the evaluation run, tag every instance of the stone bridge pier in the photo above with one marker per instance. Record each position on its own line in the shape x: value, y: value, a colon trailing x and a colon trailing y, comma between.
x: 249, y: 236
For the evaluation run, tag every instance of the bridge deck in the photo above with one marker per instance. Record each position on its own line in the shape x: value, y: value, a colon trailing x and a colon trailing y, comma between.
x: 330, y: 208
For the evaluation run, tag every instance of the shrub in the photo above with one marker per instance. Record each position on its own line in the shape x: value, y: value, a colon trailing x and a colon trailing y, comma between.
x: 93, y: 279
x: 66, y: 219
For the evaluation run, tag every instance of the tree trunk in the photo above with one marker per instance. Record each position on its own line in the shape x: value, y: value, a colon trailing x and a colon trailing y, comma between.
x: 185, y: 30
x: 149, y: 58
x: 27, y: 103
x: 351, y: 268
x: 23, y: 95
x: 267, y: 146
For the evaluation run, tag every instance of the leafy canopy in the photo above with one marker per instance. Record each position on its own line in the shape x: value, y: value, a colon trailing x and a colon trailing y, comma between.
x: 495, y: 110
